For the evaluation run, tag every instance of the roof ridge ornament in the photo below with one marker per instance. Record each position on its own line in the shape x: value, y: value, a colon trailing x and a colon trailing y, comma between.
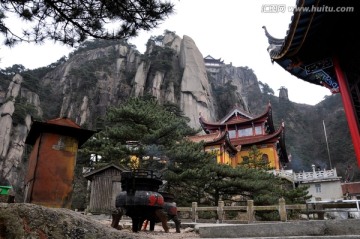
x: 272, y: 40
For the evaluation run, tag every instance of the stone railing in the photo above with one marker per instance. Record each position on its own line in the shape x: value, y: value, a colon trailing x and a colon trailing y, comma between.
x: 305, y: 176
x: 250, y: 209
x: 319, y: 208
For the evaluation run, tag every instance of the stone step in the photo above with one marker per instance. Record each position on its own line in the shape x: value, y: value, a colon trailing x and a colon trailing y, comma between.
x: 348, y: 228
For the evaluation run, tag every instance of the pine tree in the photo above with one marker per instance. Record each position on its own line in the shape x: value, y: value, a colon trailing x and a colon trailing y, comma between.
x: 140, y: 128
x: 72, y: 22
x: 186, y: 175
x: 255, y: 160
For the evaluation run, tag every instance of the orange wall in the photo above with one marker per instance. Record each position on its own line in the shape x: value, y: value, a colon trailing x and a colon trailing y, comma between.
x: 223, y: 157
x: 49, y: 180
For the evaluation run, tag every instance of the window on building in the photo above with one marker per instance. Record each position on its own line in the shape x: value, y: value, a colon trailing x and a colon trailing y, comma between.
x: 245, y: 132
x: 258, y: 130
x: 245, y: 159
x: 265, y: 158
x: 318, y: 187
x: 232, y: 134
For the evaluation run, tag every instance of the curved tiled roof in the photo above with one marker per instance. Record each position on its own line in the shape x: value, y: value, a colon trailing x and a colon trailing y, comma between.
x: 236, y: 117
x: 217, y: 138
x: 210, y: 59
x: 316, y: 33
x: 211, y: 137
x: 259, y: 138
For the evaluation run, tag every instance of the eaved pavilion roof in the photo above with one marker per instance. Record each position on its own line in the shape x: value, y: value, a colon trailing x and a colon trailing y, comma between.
x: 318, y: 31
x: 210, y: 59
x: 216, y: 138
x: 217, y: 133
x: 238, y: 116
x: 250, y: 140
x: 232, y: 145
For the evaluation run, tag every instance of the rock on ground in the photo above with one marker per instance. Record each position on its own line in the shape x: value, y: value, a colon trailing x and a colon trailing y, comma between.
x: 30, y: 221
x: 24, y: 220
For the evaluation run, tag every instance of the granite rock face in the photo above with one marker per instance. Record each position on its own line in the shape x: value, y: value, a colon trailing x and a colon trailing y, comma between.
x: 13, y: 136
x: 130, y: 74
x: 196, y: 94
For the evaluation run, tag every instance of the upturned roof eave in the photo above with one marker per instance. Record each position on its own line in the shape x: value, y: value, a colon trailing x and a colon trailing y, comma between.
x: 270, y: 138
x: 206, y: 138
x: 294, y: 38
x: 265, y: 116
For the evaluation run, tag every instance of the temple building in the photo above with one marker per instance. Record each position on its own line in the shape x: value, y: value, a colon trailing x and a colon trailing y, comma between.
x: 232, y: 138
x: 213, y: 65
x: 321, y: 47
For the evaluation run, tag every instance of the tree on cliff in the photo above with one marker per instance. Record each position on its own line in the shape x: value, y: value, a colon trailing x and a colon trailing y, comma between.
x: 71, y: 22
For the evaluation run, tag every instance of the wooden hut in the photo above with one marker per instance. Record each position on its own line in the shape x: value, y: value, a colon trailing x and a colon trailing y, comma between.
x: 105, y: 185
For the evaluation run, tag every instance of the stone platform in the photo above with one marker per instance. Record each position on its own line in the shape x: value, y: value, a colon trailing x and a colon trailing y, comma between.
x: 295, y: 229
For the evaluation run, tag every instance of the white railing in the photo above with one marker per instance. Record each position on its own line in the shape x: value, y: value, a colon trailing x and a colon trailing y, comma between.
x: 305, y: 176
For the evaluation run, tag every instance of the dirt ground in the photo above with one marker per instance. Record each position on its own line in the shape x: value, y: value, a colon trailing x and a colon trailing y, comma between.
x: 158, y: 233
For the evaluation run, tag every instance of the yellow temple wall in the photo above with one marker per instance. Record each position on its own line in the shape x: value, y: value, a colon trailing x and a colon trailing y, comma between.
x: 224, y: 157
x: 216, y: 150
x: 270, y: 151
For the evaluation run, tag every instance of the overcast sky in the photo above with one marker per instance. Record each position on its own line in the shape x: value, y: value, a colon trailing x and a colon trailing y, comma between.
x: 228, y: 29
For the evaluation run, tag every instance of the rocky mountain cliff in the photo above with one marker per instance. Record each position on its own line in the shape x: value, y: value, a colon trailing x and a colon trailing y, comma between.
x: 100, y: 74
x: 172, y: 70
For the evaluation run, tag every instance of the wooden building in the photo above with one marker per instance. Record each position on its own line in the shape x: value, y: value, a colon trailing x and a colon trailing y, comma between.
x: 321, y: 47
x: 211, y: 61
x: 213, y: 65
x: 105, y: 185
x: 232, y: 138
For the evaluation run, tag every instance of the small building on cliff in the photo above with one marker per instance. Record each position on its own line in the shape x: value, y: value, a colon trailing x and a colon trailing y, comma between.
x: 213, y: 65
x: 232, y: 138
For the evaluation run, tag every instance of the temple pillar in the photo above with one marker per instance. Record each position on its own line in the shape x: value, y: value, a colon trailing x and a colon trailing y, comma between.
x: 348, y: 108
